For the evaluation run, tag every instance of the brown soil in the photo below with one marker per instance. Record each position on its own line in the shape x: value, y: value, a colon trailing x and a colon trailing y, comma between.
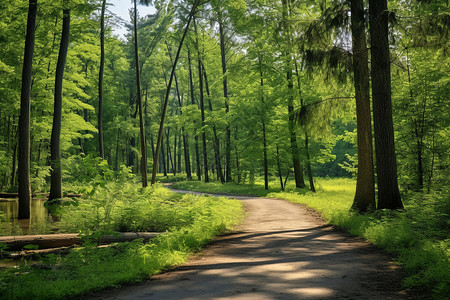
x: 282, y: 251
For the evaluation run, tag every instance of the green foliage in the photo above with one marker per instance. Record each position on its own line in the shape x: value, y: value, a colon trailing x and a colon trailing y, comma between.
x: 195, y: 221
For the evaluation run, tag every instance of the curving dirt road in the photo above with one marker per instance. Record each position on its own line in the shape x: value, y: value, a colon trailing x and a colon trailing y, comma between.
x: 283, y: 251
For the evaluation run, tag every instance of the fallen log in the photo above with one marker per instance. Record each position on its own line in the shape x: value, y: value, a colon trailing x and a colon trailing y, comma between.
x: 16, y: 195
x: 17, y: 243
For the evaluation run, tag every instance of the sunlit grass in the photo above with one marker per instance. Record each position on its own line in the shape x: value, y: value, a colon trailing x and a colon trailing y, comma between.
x: 418, y: 236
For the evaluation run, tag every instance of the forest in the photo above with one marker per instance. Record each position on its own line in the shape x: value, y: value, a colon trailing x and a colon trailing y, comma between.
x: 340, y: 105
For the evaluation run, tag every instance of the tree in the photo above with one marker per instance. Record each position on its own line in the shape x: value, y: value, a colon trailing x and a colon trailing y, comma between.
x: 202, y: 105
x: 365, y: 185
x: 100, y: 82
x: 55, y: 150
x: 139, y: 99
x: 298, y: 170
x: 24, y: 118
x: 388, y: 192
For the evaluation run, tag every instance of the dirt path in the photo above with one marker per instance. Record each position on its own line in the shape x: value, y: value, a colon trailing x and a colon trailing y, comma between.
x: 283, y: 251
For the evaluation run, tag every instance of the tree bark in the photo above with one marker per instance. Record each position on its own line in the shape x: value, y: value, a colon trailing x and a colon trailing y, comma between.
x: 169, y: 153
x: 197, y: 156
x: 388, y: 192
x: 24, y: 118
x: 365, y: 183
x: 139, y: 103
x: 227, y: 105
x: 202, y: 106
x: 100, y: 82
x: 55, y: 151
x: 266, y: 169
x: 161, y: 125
x: 298, y: 170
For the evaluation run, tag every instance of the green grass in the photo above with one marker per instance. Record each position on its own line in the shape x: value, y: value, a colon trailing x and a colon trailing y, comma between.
x: 417, y: 236
x: 188, y: 221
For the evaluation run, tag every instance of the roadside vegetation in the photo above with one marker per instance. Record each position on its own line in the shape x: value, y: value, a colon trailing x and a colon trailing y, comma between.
x: 187, y: 222
x: 418, y: 235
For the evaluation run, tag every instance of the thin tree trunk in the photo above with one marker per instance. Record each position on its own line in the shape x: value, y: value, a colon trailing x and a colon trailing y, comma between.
x: 197, y: 156
x: 237, y: 157
x: 227, y: 106
x: 308, y: 163
x: 158, y: 143
x: 179, y: 154
x: 100, y: 81
x: 216, y: 139
x: 298, y: 170
x: 163, y: 159
x: 139, y: 102
x: 202, y: 107
x: 55, y: 151
x: 24, y: 118
x: 388, y: 192
x: 169, y: 154
x: 266, y: 171
x: 279, y: 169
x: 175, y: 153
x: 308, y: 160
x: 153, y: 146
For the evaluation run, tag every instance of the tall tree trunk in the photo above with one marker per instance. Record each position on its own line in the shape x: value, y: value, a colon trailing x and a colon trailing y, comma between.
x: 298, y: 170
x: 388, y: 192
x: 266, y: 169
x: 24, y: 118
x: 139, y: 103
x: 202, y: 106
x: 161, y: 125
x: 197, y: 156
x: 365, y: 183
x: 308, y: 159
x: 227, y: 105
x: 55, y: 151
x: 216, y: 139
x: 179, y: 155
x: 100, y: 82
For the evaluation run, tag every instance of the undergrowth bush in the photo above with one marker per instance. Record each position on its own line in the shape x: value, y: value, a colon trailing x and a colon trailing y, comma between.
x: 191, y: 222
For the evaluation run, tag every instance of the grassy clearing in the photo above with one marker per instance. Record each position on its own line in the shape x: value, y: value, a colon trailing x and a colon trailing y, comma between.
x: 189, y: 222
x: 418, y: 235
